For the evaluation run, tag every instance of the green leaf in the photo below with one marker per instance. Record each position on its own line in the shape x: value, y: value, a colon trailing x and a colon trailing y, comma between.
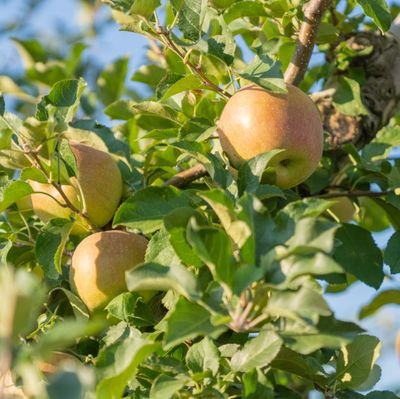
x: 331, y: 333
x: 251, y: 172
x: 62, y: 101
x: 144, y: 8
x: 146, y: 208
x: 189, y: 82
x: 149, y: 74
x: 223, y: 205
x: 129, y: 307
x: 68, y: 157
x: 293, y: 363
x: 257, y: 352
x: 78, y: 307
x: 11, y: 191
x: 50, y: 245
x: 117, y: 363
x: 379, y: 11
x: 160, y: 250
x: 190, y: 17
x: 391, y: 256
x: 214, y: 248
x: 265, y: 72
x: 153, y: 276
x: 242, y: 9
x: 314, y: 234
x: 382, y: 299
x: 64, y: 93
x: 307, y: 207
x: 356, y: 360
x: 347, y: 98
x: 165, y: 386
x: 111, y: 82
x: 187, y: 321
x: 318, y: 264
x: 304, y: 302
x: 359, y: 255
x: 203, y: 356
x: 176, y: 224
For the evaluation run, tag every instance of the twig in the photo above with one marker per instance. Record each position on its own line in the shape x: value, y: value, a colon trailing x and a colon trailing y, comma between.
x: 165, y: 38
x: 313, y: 13
x: 351, y: 194
x: 58, y: 187
x: 185, y: 177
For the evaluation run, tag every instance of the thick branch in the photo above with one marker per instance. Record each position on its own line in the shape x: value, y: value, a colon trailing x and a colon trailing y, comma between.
x: 182, y: 179
x: 313, y: 12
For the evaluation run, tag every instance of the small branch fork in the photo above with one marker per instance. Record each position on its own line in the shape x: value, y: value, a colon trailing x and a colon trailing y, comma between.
x: 313, y: 12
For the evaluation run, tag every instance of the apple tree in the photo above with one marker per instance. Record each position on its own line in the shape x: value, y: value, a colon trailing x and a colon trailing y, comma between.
x: 183, y: 247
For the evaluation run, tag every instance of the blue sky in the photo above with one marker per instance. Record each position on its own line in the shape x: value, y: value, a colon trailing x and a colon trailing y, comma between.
x: 112, y: 44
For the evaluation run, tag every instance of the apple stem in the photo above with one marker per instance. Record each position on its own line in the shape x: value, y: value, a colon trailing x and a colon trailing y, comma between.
x: 313, y: 12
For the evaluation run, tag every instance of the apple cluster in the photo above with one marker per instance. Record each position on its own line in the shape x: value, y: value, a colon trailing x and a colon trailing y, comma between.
x: 253, y: 121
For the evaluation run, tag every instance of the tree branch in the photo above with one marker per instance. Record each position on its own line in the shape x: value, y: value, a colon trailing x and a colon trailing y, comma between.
x: 313, y: 12
x: 352, y: 194
x: 185, y: 177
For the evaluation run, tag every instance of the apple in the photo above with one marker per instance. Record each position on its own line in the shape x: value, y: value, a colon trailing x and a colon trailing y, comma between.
x: 343, y: 209
x: 96, y: 190
x: 255, y: 121
x: 99, y: 262
x: 45, y: 204
x: 99, y: 182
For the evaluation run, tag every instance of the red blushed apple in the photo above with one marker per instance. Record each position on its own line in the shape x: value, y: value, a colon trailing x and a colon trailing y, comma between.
x: 99, y: 263
x: 255, y: 121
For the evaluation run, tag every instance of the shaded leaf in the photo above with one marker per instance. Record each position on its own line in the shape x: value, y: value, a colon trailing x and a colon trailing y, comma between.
x: 257, y: 352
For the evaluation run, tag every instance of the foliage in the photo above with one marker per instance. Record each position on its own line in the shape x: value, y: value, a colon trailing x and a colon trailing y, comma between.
x: 239, y: 267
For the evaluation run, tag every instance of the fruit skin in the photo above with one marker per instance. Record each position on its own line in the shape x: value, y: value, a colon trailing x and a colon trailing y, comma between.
x: 97, y: 272
x: 96, y: 190
x: 256, y: 121
x: 99, y: 181
x: 45, y: 206
x: 343, y: 209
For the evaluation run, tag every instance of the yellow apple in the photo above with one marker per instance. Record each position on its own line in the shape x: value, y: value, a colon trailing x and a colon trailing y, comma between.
x: 99, y: 183
x: 96, y: 190
x: 99, y: 263
x: 255, y: 120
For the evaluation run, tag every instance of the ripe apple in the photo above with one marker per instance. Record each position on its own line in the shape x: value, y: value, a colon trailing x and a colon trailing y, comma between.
x: 343, y: 209
x: 255, y: 120
x: 96, y: 190
x: 99, y: 182
x: 97, y: 272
